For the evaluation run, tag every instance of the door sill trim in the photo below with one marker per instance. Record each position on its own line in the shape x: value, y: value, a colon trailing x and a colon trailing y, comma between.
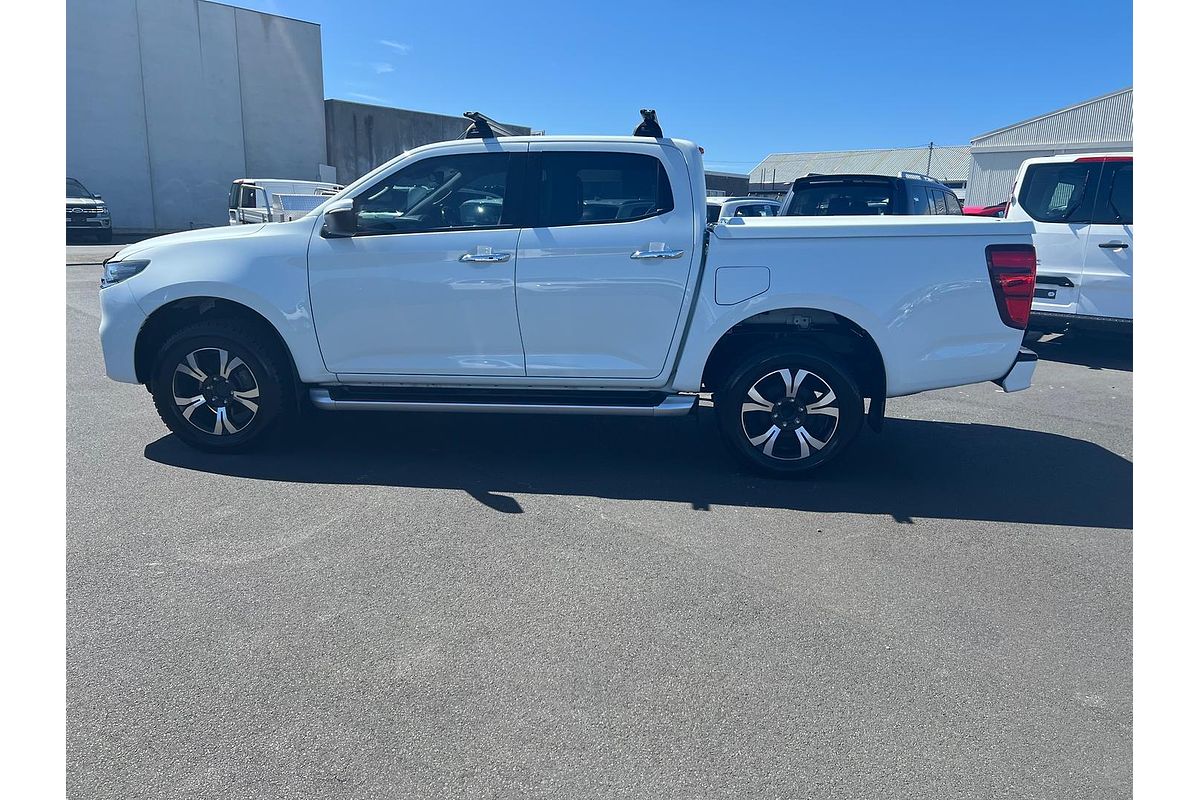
x: 671, y: 405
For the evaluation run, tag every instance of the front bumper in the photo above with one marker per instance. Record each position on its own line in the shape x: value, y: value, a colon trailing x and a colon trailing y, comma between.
x: 1020, y: 375
x: 120, y: 321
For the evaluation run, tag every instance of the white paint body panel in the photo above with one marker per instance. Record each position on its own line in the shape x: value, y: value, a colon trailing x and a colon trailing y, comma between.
x: 409, y: 315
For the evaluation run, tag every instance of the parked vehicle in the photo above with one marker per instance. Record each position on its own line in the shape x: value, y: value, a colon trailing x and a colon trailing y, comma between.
x: 87, y: 213
x: 869, y: 195
x: 1081, y: 207
x: 995, y: 210
x: 255, y: 200
x: 720, y: 208
x: 474, y: 276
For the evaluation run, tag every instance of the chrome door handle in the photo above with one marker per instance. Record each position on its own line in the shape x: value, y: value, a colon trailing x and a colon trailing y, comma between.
x: 1115, y: 245
x: 486, y: 258
x: 656, y: 254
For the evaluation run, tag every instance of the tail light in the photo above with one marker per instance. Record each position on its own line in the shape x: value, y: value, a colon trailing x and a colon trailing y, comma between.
x: 1013, y: 269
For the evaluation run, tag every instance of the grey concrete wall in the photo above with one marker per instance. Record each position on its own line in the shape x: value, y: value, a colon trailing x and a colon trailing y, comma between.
x: 360, y: 137
x: 732, y: 186
x: 169, y: 100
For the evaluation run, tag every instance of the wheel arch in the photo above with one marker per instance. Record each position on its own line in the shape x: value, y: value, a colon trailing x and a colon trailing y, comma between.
x: 828, y: 331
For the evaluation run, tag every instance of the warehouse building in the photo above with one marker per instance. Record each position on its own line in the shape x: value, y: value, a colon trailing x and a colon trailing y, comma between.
x: 1100, y: 124
x: 950, y: 165
x: 168, y: 101
x: 726, y: 184
x: 360, y: 136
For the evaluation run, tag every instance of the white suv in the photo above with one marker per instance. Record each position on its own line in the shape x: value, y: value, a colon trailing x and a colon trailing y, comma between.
x: 1081, y: 206
x: 720, y: 208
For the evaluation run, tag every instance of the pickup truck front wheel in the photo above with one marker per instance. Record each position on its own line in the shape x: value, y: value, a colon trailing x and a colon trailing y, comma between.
x: 789, y: 411
x: 217, y: 385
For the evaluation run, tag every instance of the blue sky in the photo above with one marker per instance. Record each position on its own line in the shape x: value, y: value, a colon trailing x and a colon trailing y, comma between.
x: 743, y: 79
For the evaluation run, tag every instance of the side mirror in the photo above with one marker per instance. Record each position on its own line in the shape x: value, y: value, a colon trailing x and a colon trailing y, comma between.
x: 98, y: 196
x: 340, y: 221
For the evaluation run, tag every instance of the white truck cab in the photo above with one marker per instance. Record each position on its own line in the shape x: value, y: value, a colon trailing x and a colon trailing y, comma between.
x: 1081, y: 208
x: 566, y: 275
x: 256, y: 200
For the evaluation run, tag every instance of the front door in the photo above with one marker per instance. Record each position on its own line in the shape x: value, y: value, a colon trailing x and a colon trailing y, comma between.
x: 601, y: 274
x: 1107, y: 287
x: 426, y: 285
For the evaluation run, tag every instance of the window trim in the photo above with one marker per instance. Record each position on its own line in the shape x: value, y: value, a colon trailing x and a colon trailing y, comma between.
x: 514, y: 182
x: 532, y: 206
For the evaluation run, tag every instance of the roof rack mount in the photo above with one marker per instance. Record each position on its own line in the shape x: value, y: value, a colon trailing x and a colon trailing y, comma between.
x: 483, y: 127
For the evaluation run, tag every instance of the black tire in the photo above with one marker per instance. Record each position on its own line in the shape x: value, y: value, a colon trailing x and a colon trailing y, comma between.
x: 803, y: 440
x: 104, y: 237
x: 244, y: 401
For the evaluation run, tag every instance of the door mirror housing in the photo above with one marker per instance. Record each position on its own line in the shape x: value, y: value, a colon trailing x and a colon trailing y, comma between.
x: 340, y: 220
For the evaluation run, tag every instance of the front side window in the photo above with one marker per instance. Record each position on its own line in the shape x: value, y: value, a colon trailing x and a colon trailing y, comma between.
x: 1115, y: 206
x: 1059, y: 192
x: 939, y: 201
x: 841, y: 199
x: 436, y: 194
x: 586, y: 188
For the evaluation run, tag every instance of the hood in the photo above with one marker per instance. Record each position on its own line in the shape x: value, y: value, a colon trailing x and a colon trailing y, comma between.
x: 184, y: 237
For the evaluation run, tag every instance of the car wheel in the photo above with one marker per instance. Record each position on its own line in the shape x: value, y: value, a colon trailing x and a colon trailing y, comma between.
x: 220, y: 386
x: 789, y: 412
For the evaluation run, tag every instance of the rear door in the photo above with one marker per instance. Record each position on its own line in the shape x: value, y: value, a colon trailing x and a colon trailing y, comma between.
x: 1107, y: 283
x: 1059, y: 196
x: 602, y: 273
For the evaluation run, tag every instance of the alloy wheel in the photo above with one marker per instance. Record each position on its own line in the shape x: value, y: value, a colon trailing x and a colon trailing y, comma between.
x: 790, y: 414
x: 216, y: 394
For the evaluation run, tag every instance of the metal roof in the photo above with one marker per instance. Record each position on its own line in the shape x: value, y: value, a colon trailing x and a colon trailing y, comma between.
x: 948, y: 163
x: 1104, y: 119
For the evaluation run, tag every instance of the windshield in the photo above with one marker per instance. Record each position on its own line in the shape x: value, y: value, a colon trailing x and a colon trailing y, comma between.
x: 75, y: 189
x: 829, y: 199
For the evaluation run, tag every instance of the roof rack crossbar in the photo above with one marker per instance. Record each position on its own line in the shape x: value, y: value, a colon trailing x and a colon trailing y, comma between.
x: 919, y: 175
x: 483, y: 127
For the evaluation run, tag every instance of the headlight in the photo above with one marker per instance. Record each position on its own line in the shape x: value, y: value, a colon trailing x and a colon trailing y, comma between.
x: 117, y: 271
x: 103, y: 212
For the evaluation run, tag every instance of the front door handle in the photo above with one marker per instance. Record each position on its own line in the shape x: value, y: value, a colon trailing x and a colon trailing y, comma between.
x: 486, y: 258
x: 656, y: 253
x: 1115, y: 245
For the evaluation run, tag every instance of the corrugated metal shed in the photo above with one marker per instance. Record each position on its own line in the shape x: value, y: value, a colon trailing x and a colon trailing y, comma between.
x: 1100, y: 124
x: 949, y: 164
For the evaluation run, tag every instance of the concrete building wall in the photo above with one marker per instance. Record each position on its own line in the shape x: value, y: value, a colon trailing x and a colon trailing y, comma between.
x: 360, y: 137
x: 724, y: 184
x: 168, y: 101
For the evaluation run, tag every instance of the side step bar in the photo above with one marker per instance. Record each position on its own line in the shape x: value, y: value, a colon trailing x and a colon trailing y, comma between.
x: 672, y: 405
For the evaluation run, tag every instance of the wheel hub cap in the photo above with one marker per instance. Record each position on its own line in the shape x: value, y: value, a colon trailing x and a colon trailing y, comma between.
x: 790, y: 414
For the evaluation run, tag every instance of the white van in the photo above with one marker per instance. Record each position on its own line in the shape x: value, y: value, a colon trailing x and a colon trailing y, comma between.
x: 256, y: 200
x: 1081, y: 206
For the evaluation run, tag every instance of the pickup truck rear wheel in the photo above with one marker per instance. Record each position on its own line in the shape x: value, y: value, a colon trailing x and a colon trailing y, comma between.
x: 218, y: 385
x: 789, y: 411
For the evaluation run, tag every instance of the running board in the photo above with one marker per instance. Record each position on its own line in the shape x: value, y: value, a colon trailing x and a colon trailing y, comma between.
x: 619, y: 404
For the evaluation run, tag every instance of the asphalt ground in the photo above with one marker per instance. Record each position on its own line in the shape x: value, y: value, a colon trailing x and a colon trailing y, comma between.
x: 490, y: 606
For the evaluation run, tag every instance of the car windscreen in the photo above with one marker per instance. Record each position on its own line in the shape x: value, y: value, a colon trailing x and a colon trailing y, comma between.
x: 75, y: 189
x: 841, y: 198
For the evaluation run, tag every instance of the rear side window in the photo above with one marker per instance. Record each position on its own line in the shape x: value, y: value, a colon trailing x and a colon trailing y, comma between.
x: 1060, y: 192
x: 841, y: 199
x: 755, y: 210
x: 1115, y: 203
x: 952, y: 204
x: 587, y: 188
x: 939, y: 201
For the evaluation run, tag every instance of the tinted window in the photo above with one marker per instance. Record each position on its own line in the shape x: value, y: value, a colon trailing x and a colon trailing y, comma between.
x: 840, y: 199
x: 439, y: 193
x: 1060, y: 192
x: 75, y: 189
x: 952, y: 204
x: 755, y: 210
x: 1115, y: 206
x: 939, y: 201
x: 585, y: 188
x: 233, y: 195
x: 714, y: 212
x: 248, y: 197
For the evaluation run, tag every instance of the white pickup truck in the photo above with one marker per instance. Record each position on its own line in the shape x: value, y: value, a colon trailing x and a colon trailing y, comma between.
x: 566, y: 275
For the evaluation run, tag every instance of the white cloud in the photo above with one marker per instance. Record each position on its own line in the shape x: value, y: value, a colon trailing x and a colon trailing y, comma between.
x: 402, y: 49
x: 382, y: 67
x: 368, y: 97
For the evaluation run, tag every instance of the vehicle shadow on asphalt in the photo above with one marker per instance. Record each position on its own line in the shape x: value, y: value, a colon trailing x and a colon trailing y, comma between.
x: 912, y: 469
x: 1088, y: 350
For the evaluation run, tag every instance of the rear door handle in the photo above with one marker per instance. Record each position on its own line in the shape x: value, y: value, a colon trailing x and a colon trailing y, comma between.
x: 1115, y: 245
x: 486, y: 258
x: 656, y: 254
